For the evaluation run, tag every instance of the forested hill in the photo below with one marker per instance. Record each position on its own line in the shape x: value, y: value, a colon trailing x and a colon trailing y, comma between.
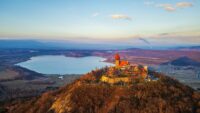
x: 89, y: 95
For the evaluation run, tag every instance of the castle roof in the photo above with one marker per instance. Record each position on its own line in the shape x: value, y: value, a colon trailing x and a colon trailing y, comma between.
x: 117, y: 57
x: 123, y: 63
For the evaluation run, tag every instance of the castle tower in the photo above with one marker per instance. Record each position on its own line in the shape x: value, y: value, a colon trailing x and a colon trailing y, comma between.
x: 117, y: 60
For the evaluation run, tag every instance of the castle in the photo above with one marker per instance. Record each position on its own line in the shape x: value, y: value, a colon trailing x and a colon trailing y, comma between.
x: 119, y: 62
x: 124, y: 72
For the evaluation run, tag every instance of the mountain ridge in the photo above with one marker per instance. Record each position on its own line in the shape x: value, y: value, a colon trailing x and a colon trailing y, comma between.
x: 183, y: 61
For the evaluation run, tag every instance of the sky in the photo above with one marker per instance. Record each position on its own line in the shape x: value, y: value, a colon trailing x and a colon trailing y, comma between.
x: 139, y: 22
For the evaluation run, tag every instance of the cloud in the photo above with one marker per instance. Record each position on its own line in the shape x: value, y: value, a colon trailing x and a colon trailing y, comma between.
x: 164, y: 34
x: 95, y: 14
x: 174, y: 7
x: 184, y: 4
x: 149, y: 3
x: 145, y: 41
x: 120, y: 16
x: 167, y: 7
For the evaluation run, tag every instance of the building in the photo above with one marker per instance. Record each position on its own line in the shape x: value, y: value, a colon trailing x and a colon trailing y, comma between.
x: 124, y: 72
x: 114, y: 80
x: 119, y: 62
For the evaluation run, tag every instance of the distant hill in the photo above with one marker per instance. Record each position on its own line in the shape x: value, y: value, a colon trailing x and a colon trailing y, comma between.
x: 18, y: 73
x: 55, y: 44
x: 81, y: 45
x: 22, y: 44
x: 183, y: 61
x: 88, y: 95
x: 178, y: 48
x: 189, y: 48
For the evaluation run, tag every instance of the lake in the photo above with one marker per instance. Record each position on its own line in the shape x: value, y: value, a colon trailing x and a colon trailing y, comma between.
x: 59, y: 64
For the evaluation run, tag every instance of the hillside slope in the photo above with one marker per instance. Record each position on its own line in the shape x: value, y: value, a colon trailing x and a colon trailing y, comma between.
x: 88, y: 95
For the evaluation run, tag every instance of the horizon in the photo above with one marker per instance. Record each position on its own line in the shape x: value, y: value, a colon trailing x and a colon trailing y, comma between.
x: 140, y: 23
x: 74, y: 45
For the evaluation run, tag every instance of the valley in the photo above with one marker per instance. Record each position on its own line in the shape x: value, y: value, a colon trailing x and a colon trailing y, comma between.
x: 17, y: 79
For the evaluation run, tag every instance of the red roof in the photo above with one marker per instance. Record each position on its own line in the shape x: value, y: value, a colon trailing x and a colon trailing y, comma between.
x: 117, y: 57
x: 124, y: 63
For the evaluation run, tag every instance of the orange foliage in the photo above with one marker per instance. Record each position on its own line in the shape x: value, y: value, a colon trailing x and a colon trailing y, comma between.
x: 163, y: 96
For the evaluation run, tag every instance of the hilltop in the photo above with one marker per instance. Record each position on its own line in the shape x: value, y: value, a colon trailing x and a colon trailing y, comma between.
x: 89, y: 95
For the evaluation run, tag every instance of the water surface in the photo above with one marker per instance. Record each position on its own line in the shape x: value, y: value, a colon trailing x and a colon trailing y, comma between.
x: 59, y: 64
